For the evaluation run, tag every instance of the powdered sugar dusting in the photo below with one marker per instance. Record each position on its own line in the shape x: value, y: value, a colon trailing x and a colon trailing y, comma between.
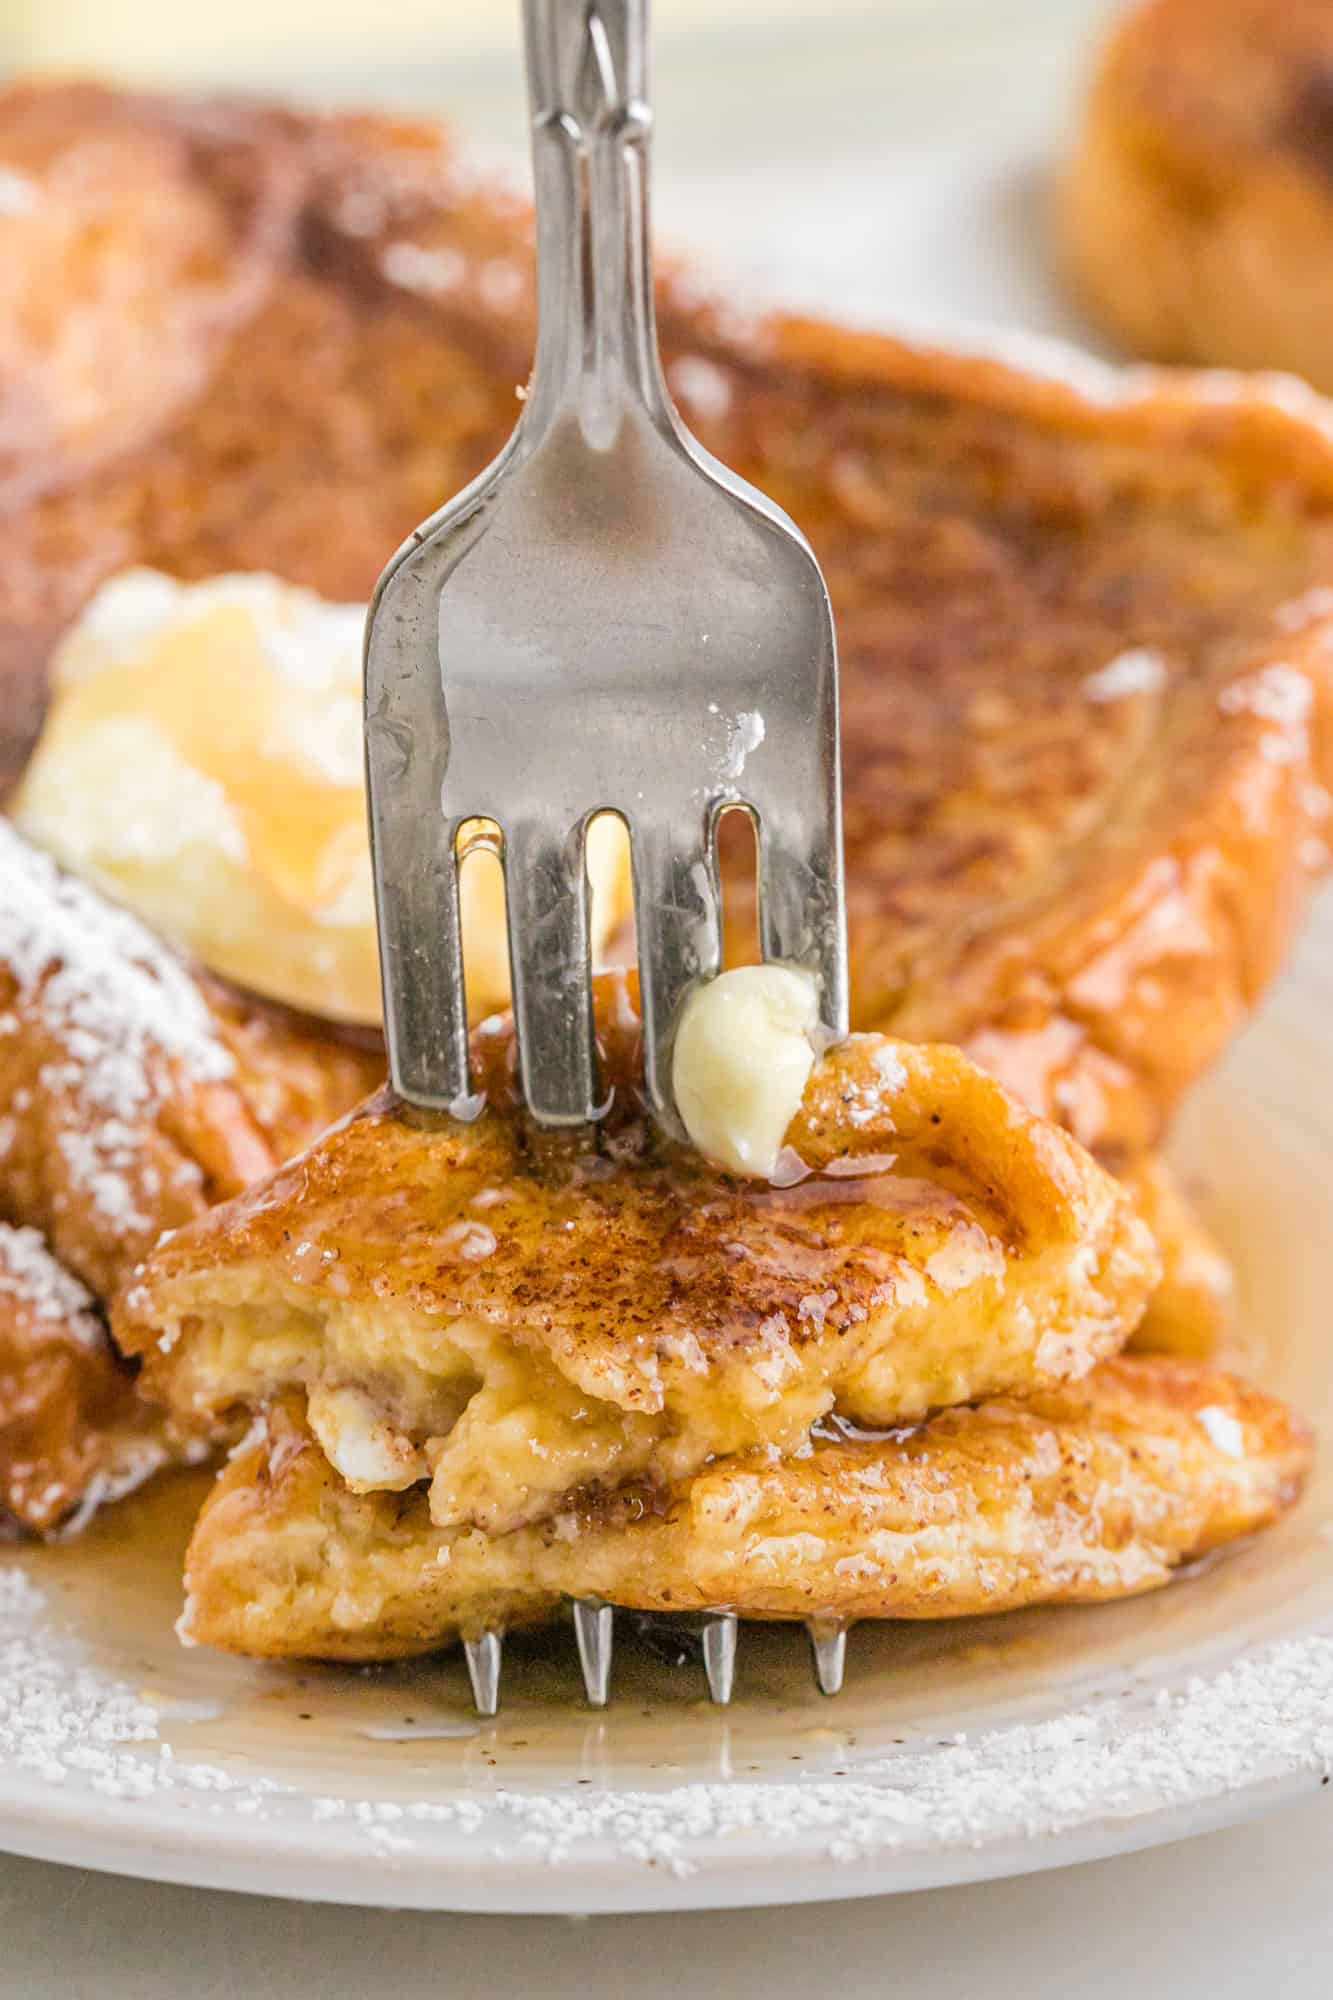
x: 17, y: 195
x: 1265, y: 1717
x: 703, y: 385
x: 419, y: 269
x: 1222, y: 1428
x: 1277, y: 693
x: 125, y: 1016
x: 30, y: 1274
x: 1312, y: 607
x: 18, y: 1597
x: 1262, y: 1718
x: 1282, y: 698
x: 66, y: 1724
x: 1139, y: 671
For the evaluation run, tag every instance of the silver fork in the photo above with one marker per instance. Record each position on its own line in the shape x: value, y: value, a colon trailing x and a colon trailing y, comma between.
x: 607, y: 619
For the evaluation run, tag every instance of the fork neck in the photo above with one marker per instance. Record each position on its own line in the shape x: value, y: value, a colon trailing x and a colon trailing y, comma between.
x: 597, y: 355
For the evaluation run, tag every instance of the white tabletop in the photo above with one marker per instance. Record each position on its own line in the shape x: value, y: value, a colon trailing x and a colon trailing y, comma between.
x: 1238, y: 1912
x: 896, y: 166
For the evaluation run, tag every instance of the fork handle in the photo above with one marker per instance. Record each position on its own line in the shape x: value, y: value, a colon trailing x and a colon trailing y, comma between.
x: 587, y: 63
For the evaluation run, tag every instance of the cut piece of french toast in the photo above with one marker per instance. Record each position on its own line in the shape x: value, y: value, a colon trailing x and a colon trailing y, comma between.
x: 73, y: 1431
x: 509, y: 1316
x: 132, y: 1094
x: 1083, y: 624
x: 1196, y: 213
x: 1082, y: 1493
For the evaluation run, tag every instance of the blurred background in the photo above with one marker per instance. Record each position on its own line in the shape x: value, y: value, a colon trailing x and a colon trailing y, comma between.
x: 868, y: 156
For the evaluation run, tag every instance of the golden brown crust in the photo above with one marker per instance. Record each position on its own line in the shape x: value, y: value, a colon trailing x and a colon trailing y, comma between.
x: 1197, y: 211
x: 1193, y: 1310
x: 1086, y: 882
x: 617, y: 1306
x: 73, y: 1431
x: 157, y: 232
x: 296, y: 1074
x: 1083, y: 1493
x: 130, y: 1096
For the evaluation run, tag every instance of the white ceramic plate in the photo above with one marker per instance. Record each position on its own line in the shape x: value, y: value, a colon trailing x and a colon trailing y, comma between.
x: 956, y: 1752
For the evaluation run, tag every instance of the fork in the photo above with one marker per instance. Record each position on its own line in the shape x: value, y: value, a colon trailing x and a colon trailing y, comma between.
x: 606, y: 620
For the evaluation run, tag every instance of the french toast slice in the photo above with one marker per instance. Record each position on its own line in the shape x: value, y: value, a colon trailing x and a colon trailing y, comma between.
x: 508, y: 1316
x: 1083, y: 625
x: 1196, y: 214
x: 73, y: 1431
x: 1082, y: 1493
x: 131, y: 1093
x: 1193, y: 1311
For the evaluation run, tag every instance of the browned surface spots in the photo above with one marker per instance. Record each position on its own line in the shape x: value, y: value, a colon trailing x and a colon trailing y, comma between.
x: 938, y: 1242
x: 1087, y: 892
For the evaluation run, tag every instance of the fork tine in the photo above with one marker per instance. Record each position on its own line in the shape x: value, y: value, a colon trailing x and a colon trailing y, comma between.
x: 594, y: 1631
x: 484, y: 1658
x: 421, y: 963
x: 413, y: 848
x: 720, y: 1655
x: 550, y: 963
x: 678, y: 927
x: 801, y: 914
x: 828, y: 1648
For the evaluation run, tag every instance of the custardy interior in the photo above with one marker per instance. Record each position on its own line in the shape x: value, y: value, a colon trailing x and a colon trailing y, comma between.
x: 1076, y: 1494
x: 516, y: 1315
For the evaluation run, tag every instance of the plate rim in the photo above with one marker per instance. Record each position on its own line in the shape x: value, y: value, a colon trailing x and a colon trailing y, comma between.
x: 301, y: 1862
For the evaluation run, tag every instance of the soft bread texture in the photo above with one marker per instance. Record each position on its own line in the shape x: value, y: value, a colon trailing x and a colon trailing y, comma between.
x: 533, y: 1313
x: 1082, y: 1493
x: 1084, y: 740
x: 1196, y: 214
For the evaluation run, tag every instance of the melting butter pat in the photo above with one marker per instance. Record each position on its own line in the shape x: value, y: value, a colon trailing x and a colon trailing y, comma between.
x: 202, y: 764
x: 744, y: 1052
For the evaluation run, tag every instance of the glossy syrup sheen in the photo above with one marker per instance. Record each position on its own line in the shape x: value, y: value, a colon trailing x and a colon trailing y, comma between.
x: 1023, y: 856
x: 498, y: 1215
x: 532, y: 1315
x: 728, y: 1312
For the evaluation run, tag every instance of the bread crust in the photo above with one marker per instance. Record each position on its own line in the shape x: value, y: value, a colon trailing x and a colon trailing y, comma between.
x: 73, y: 1430
x: 536, y: 1311
x: 1192, y: 1313
x: 132, y: 1094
